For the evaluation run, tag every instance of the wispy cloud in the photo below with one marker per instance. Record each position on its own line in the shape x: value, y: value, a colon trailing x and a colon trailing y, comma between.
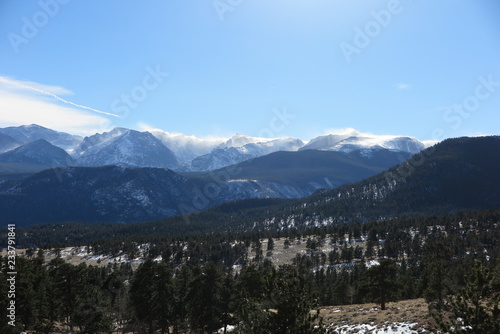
x: 142, y: 126
x: 341, y: 132
x: 24, y: 102
x: 13, y: 84
x: 403, y: 86
x: 25, y: 86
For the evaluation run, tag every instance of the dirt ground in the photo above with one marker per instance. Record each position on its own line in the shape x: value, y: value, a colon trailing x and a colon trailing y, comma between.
x: 406, y: 311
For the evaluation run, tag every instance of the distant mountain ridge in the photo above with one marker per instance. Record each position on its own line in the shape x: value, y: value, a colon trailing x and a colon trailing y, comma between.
x: 308, y: 171
x: 130, y: 194
x: 35, y: 156
x: 158, y: 148
x: 353, y: 140
x: 230, y: 154
x: 25, y: 134
x: 7, y: 143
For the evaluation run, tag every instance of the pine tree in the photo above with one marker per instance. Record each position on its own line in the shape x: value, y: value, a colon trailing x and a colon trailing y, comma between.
x: 381, y: 282
x: 250, y: 299
x: 164, y: 290
x: 292, y: 298
x: 436, y: 273
x: 204, y: 299
x: 181, y: 285
x: 143, y: 294
x: 475, y: 309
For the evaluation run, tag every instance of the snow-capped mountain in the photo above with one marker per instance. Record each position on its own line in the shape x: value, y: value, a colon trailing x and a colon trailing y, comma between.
x: 240, y: 140
x: 29, y: 133
x: 219, y: 158
x: 230, y: 153
x: 124, y: 147
x: 158, y: 148
x: 352, y: 140
x: 35, y: 156
x: 186, y: 148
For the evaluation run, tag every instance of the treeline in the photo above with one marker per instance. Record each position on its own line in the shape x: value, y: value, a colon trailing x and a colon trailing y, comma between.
x: 395, y: 238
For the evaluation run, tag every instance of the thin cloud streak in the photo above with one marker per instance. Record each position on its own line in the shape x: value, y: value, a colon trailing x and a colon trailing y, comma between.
x: 16, y: 83
x: 403, y: 86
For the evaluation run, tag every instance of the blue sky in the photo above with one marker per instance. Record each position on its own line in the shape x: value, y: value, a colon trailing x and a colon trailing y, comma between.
x: 297, y: 68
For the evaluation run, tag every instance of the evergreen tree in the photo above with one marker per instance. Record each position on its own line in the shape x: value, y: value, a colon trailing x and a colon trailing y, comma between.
x: 204, y: 299
x: 291, y: 296
x: 475, y: 309
x: 144, y: 295
x: 251, y: 300
x: 436, y: 273
x: 164, y: 296
x: 381, y: 282
x: 181, y: 285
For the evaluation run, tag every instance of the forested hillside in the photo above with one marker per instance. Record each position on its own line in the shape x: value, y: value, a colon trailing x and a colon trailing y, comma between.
x: 200, y: 283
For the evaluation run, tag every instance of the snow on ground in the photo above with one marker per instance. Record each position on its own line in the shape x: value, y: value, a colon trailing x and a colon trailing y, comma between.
x: 389, y: 328
x: 393, y: 328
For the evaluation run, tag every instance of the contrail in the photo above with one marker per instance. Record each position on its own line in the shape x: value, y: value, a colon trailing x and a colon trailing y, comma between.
x: 56, y: 97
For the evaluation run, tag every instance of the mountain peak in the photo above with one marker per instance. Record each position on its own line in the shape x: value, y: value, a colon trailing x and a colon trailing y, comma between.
x: 33, y: 126
x: 350, y: 139
x: 239, y: 140
x: 34, y: 156
x: 344, y: 132
x: 125, y: 147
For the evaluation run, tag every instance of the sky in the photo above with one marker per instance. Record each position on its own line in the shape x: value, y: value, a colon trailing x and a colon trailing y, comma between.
x: 267, y: 68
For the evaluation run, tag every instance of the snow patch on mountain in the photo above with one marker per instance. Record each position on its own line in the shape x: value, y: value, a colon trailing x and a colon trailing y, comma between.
x: 25, y: 134
x: 351, y: 140
x: 230, y: 154
x: 158, y: 148
x: 39, y: 153
x: 239, y: 140
x: 125, y: 147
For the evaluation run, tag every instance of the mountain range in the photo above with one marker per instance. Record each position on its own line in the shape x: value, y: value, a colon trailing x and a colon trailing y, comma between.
x: 451, y: 177
x: 131, y: 194
x: 455, y: 175
x: 157, y: 148
x: 125, y: 175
